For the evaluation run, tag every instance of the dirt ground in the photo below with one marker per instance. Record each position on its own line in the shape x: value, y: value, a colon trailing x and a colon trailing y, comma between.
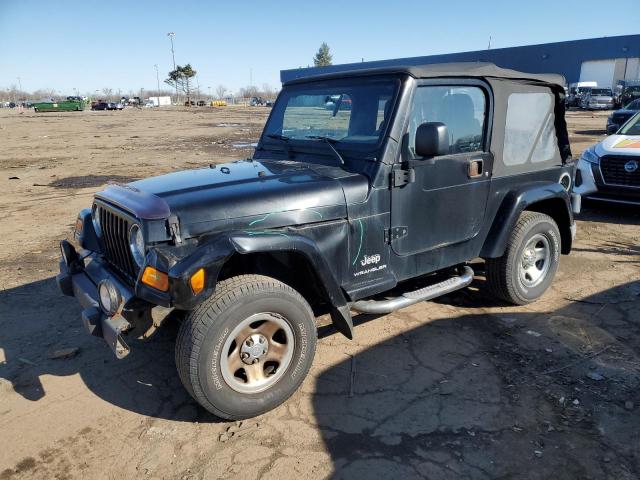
x: 463, y: 387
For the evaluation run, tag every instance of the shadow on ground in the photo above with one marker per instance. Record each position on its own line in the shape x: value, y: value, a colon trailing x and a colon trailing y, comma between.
x: 36, y: 321
x: 515, y: 395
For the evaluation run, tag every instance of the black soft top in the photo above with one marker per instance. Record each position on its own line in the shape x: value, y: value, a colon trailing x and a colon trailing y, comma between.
x: 463, y: 69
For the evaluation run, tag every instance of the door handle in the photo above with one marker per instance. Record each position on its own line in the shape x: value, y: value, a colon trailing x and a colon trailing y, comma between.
x: 475, y: 168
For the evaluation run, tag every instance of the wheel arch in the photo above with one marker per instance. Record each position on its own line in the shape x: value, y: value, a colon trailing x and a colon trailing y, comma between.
x: 545, y: 197
x: 291, y: 258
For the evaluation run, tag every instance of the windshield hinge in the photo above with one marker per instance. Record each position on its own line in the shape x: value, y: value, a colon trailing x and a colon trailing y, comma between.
x: 394, y: 233
x: 403, y: 177
x: 174, y: 228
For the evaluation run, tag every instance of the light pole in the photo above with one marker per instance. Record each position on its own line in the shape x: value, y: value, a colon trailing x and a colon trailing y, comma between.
x: 209, y: 88
x: 158, y: 80
x: 173, y: 57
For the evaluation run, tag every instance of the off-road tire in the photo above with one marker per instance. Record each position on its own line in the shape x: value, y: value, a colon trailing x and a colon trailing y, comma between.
x: 206, y: 328
x: 502, y: 274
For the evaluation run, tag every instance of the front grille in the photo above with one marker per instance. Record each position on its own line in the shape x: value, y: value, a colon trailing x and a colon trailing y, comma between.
x: 613, y: 171
x: 115, y: 234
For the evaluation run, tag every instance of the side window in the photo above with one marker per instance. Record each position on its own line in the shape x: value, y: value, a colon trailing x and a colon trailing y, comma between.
x: 461, y: 108
x: 529, y: 134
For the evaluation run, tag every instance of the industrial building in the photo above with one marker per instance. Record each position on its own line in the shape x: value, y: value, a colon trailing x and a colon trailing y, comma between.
x: 608, y: 60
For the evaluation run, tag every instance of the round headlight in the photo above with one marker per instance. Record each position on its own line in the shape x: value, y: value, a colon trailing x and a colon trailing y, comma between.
x: 136, y: 244
x: 95, y: 220
x: 108, y: 297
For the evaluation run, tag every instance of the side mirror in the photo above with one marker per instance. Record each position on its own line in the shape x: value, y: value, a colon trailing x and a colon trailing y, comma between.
x: 611, y: 129
x: 432, y: 140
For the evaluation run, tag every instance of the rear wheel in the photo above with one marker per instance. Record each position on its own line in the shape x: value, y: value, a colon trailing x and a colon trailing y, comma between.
x: 530, y: 261
x: 247, y: 349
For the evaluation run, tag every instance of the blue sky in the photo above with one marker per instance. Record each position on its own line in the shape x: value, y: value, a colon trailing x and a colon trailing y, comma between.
x: 89, y: 44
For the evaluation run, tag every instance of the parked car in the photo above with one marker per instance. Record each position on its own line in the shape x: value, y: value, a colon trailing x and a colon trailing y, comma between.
x: 201, y: 103
x: 257, y: 101
x: 619, y: 117
x: 629, y: 93
x: 610, y: 170
x: 59, y: 106
x: 577, y: 91
x: 597, y: 99
x: 104, y: 106
x: 329, y: 216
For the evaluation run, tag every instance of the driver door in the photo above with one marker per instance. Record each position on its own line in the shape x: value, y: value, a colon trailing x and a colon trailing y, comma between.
x: 444, y: 197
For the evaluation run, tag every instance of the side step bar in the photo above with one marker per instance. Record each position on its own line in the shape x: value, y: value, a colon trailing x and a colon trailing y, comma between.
x: 409, y: 298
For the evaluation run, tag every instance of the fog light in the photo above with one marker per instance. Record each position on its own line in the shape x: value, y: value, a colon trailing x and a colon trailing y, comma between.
x: 156, y: 279
x: 109, y: 297
x: 197, y: 281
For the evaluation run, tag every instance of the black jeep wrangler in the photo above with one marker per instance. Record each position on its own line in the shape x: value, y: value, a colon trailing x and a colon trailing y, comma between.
x: 373, y: 204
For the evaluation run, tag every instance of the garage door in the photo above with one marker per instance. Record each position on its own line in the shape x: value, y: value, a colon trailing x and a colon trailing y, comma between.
x: 600, y: 71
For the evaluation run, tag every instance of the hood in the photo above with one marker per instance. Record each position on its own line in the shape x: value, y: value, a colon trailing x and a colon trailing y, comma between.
x: 619, y: 145
x: 601, y: 98
x: 625, y: 112
x: 245, y: 195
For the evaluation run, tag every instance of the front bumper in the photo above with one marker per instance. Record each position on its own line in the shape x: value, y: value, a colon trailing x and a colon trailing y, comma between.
x: 590, y: 185
x: 80, y: 279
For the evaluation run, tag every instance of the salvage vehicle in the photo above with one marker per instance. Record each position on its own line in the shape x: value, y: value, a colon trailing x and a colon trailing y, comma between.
x: 597, y: 99
x: 59, y: 106
x: 630, y: 92
x: 610, y: 170
x: 620, y: 117
x: 369, y: 209
x: 576, y: 91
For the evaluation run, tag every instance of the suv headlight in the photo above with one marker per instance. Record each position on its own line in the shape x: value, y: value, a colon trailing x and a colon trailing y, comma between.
x: 590, y: 156
x: 136, y: 244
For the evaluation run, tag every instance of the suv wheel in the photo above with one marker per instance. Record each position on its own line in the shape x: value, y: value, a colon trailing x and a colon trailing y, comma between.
x: 246, y: 349
x: 530, y: 261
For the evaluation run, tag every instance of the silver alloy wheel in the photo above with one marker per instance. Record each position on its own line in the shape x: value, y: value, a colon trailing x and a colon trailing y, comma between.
x: 257, y: 353
x: 535, y: 261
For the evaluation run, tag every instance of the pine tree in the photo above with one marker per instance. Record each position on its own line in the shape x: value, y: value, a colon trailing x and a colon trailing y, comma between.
x: 323, y: 57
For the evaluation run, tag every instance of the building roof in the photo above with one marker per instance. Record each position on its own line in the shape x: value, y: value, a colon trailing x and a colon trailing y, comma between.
x: 463, y: 69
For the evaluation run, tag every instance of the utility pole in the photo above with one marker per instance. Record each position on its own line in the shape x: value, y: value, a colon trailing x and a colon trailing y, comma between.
x: 173, y: 57
x: 489, y: 46
x: 158, y: 80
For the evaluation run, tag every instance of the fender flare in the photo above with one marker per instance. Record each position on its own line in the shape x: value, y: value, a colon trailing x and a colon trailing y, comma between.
x: 513, y: 204
x: 213, y: 254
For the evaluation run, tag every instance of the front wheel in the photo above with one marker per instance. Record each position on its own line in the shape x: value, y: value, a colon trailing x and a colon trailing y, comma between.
x: 246, y: 349
x: 530, y: 261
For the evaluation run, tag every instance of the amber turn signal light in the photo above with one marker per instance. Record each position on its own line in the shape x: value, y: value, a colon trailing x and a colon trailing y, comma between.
x: 197, y: 281
x: 78, y: 228
x: 156, y: 279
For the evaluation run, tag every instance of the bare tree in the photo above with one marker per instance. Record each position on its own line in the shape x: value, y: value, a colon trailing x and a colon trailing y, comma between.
x: 107, y: 92
x: 220, y: 91
x: 248, y: 91
x: 267, y: 91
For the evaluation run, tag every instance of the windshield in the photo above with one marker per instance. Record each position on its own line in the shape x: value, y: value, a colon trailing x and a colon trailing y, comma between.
x: 632, y: 127
x: 601, y: 91
x: 635, y: 105
x: 351, y: 111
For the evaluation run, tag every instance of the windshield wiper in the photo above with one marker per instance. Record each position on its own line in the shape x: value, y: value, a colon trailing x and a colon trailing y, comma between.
x: 329, y: 141
x: 285, y: 140
x: 277, y: 136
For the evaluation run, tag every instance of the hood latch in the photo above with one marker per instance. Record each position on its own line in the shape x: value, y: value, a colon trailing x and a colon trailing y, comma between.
x: 174, y: 228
